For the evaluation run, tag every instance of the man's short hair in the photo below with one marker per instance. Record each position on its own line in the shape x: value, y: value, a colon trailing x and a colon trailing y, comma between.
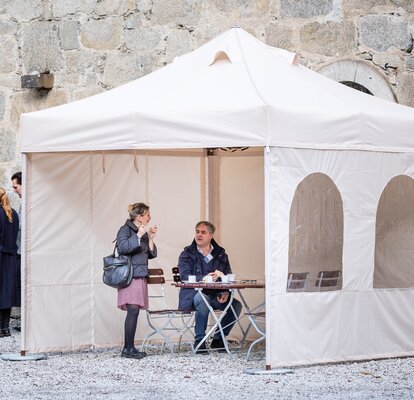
x: 210, y: 227
x: 18, y: 177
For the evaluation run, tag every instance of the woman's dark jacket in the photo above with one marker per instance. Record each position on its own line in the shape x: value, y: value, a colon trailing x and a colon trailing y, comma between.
x: 9, y: 265
x: 129, y: 244
x: 190, y: 263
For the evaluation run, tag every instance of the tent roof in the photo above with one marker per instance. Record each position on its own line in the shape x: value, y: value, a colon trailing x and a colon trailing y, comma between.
x: 232, y: 91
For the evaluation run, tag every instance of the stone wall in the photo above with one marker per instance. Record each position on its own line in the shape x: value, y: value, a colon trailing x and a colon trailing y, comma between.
x: 94, y: 45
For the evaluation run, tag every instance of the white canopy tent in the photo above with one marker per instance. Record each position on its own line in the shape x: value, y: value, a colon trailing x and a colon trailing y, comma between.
x: 85, y: 161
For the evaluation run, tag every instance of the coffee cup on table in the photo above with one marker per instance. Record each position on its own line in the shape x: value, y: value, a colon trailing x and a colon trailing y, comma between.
x: 209, y: 279
x: 225, y: 278
x: 232, y: 277
x: 191, y: 279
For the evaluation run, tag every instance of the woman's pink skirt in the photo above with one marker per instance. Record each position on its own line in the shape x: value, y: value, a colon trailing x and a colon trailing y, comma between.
x: 136, y: 293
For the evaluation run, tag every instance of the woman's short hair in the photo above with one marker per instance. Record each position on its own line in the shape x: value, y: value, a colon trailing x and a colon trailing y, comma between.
x: 137, y: 209
x: 210, y: 227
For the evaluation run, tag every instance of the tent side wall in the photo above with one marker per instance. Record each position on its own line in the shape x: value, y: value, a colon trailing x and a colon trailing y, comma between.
x: 78, y: 201
x: 358, y: 321
x: 75, y: 204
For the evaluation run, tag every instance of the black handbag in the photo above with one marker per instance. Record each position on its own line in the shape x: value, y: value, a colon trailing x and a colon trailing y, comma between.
x: 117, y: 270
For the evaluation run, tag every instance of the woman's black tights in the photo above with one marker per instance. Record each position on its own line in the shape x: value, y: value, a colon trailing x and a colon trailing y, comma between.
x: 131, y: 320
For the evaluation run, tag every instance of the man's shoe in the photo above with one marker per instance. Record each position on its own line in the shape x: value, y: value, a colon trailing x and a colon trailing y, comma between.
x: 202, y: 349
x: 218, y: 344
x: 17, y: 328
x: 133, y: 353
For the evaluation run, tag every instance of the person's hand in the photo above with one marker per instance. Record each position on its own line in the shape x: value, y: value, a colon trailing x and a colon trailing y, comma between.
x: 142, y: 230
x: 152, y: 231
x: 223, y: 297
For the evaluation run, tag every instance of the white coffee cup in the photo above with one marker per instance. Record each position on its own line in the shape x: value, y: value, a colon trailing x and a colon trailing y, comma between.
x: 225, y: 278
x: 191, y: 279
x: 209, y: 279
x: 232, y: 277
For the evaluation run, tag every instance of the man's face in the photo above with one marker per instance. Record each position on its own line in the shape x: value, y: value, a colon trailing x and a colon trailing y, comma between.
x: 17, y: 188
x: 203, y: 236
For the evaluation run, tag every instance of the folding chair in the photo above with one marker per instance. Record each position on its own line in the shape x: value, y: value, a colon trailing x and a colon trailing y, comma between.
x: 168, y: 323
x: 297, y: 281
x: 328, y: 280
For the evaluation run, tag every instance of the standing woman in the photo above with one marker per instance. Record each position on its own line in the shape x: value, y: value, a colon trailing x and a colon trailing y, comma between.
x: 136, y: 239
x: 9, y: 295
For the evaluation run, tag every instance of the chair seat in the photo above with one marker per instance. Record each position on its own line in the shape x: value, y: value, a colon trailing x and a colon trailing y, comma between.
x: 257, y: 314
x: 178, y: 312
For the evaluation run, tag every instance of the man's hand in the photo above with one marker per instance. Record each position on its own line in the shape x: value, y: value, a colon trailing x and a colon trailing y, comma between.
x: 223, y: 297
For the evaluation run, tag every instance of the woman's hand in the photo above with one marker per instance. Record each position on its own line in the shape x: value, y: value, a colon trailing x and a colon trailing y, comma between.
x: 142, y: 230
x: 152, y: 231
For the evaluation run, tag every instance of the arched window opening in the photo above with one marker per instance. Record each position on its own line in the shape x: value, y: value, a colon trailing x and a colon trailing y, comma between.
x: 394, y: 235
x: 356, y: 86
x: 361, y: 76
x: 315, y: 236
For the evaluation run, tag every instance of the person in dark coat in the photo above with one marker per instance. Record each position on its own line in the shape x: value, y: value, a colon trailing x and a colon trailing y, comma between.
x: 135, y: 239
x: 9, y: 293
x: 202, y: 258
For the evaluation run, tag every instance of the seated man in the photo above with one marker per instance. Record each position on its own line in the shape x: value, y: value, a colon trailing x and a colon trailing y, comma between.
x: 205, y: 257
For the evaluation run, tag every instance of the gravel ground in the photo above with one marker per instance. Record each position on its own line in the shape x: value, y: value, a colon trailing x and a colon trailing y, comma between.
x: 103, y: 374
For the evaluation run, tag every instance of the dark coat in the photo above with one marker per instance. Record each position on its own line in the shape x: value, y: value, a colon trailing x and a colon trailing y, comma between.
x: 190, y: 263
x: 129, y: 244
x: 9, y: 265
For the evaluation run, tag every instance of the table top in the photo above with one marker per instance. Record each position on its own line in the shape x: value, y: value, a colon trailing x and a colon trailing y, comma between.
x: 246, y: 284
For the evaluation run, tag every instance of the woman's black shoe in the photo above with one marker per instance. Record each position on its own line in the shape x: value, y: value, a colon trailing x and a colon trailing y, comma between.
x: 133, y: 353
x: 5, y: 332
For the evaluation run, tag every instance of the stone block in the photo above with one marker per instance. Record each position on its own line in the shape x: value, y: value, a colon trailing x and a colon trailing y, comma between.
x: 8, y: 54
x: 102, y: 34
x: 178, y: 12
x: 111, y: 7
x: 405, y: 88
x: 2, y: 105
x: 280, y: 36
x: 126, y: 67
x: 82, y: 93
x: 407, y: 5
x: 178, y: 42
x: 69, y: 35
x: 305, y: 8
x: 142, y: 39
x: 380, y: 32
x: 387, y: 60
x: 357, y: 6
x: 41, y: 47
x: 24, y: 10
x: 330, y: 38
x: 241, y: 8
x: 144, y: 5
x: 29, y: 101
x: 61, y: 8
x: 7, y: 27
x: 409, y: 63
x: 133, y: 21
x: 8, y: 145
x: 11, y: 81
x: 80, y: 60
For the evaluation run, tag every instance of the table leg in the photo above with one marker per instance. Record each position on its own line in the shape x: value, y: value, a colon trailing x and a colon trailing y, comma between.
x: 217, y: 324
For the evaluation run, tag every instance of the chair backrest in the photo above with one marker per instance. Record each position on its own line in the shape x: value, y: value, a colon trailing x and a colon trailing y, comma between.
x: 155, y: 276
x: 176, y: 274
x: 156, y: 293
x: 297, y: 281
x: 328, y: 279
